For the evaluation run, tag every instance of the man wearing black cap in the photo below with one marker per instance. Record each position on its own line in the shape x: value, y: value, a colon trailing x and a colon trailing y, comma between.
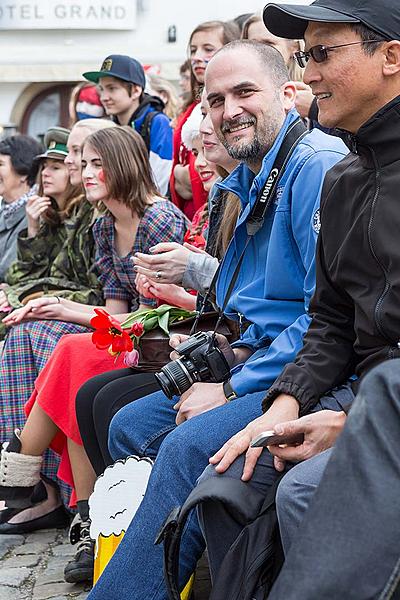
x: 352, y: 61
x: 121, y: 82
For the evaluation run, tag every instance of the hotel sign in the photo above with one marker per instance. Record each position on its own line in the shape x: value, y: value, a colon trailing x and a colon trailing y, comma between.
x: 67, y: 14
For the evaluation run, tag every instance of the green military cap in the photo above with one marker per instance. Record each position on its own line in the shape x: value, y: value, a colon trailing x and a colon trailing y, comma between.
x: 55, y: 141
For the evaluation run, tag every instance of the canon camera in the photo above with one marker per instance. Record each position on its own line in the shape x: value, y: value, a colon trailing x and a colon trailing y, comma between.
x: 200, y: 360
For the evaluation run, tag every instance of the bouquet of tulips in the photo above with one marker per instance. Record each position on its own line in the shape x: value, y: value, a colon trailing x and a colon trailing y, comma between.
x: 115, y: 337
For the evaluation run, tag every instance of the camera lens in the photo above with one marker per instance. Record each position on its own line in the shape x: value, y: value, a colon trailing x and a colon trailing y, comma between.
x: 174, y: 378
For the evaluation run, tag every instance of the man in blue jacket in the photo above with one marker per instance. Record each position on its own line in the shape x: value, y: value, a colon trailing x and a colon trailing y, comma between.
x: 251, y: 105
x: 121, y: 82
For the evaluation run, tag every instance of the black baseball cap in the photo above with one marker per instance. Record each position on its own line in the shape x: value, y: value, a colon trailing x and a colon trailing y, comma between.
x: 119, y: 66
x: 290, y: 21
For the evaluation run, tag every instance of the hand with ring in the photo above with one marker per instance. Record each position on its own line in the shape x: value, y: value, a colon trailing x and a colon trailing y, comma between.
x: 167, y: 261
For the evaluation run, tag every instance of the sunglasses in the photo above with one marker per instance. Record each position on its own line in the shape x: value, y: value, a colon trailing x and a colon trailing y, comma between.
x: 320, y: 53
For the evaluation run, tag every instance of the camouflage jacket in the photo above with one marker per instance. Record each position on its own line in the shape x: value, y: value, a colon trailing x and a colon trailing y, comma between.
x: 57, y: 261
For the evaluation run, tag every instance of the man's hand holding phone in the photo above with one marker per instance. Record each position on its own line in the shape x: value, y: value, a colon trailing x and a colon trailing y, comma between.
x: 270, y: 438
x: 284, y: 408
x: 298, y: 440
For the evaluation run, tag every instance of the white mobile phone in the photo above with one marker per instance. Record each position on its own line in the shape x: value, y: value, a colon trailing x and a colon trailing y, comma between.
x: 270, y: 438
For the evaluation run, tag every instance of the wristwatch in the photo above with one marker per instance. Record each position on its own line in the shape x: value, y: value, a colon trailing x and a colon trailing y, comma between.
x: 229, y: 392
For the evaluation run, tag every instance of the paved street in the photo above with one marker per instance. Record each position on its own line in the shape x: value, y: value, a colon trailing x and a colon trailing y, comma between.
x: 31, y: 567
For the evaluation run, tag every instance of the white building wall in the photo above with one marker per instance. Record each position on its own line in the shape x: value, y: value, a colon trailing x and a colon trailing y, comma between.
x: 46, y: 55
x: 9, y: 92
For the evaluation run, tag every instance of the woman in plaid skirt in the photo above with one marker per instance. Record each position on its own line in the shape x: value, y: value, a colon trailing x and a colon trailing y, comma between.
x: 136, y: 218
x: 53, y: 259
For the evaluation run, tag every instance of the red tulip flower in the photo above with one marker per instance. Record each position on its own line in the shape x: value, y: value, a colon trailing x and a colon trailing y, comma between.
x: 109, y: 333
x: 137, y: 329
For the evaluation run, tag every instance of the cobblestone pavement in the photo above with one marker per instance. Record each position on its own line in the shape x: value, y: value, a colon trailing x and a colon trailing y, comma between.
x: 31, y: 567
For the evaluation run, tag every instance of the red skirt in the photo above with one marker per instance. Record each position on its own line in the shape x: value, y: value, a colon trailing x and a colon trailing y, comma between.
x: 74, y: 361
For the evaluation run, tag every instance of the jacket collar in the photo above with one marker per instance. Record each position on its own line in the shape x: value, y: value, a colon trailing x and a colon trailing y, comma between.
x: 380, y: 134
x: 243, y: 182
x: 9, y: 221
x: 13, y: 213
x: 148, y: 103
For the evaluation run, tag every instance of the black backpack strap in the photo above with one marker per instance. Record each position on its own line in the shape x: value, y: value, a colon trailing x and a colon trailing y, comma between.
x: 233, y: 493
x: 146, y: 127
x: 294, y: 134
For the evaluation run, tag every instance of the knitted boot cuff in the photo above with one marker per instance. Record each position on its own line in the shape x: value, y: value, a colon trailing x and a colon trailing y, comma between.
x: 19, y: 470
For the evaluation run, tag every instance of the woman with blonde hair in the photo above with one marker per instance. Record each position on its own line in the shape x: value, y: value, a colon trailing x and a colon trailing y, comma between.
x: 165, y: 90
x: 254, y: 29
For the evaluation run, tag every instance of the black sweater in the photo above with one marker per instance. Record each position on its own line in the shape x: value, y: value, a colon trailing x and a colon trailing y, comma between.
x: 356, y: 306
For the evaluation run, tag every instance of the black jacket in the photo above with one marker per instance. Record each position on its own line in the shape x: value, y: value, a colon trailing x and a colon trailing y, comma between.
x: 356, y: 306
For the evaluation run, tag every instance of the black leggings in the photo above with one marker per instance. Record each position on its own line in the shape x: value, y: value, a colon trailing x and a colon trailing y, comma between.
x: 98, y: 400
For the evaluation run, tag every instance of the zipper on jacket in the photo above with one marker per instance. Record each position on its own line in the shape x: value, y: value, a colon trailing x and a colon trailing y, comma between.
x: 349, y: 139
x: 353, y: 143
x: 378, y: 321
x: 392, y: 351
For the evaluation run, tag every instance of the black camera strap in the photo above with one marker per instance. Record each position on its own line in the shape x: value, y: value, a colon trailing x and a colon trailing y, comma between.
x: 255, y: 221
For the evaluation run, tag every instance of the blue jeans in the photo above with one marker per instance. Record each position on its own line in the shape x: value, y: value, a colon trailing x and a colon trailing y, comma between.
x: 294, y: 495
x: 147, y: 428
x: 348, y: 544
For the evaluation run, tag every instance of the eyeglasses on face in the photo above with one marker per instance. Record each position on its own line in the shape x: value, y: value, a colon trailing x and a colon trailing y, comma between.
x: 320, y: 53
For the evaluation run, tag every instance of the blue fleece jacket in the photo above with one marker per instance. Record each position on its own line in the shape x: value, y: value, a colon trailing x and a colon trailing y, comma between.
x: 277, y: 277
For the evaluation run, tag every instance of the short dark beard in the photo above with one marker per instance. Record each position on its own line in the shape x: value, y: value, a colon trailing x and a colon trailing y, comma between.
x: 246, y: 152
x: 256, y: 150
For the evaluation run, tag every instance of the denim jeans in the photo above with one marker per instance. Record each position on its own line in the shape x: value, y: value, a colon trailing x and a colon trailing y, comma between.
x: 348, y: 544
x: 147, y: 427
x: 294, y: 495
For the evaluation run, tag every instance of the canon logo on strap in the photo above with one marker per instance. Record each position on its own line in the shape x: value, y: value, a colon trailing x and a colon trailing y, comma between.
x: 270, y: 182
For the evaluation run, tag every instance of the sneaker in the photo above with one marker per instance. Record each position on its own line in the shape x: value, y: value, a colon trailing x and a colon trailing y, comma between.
x: 81, y: 567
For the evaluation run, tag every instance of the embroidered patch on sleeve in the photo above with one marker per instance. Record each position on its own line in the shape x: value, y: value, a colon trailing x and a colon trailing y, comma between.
x: 316, y: 221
